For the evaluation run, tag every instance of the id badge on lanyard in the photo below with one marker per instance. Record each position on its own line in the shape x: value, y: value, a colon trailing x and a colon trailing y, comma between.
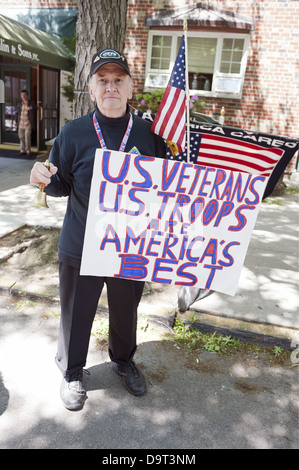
x: 124, y: 139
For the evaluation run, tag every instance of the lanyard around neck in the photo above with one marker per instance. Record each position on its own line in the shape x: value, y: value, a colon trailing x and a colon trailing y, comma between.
x: 101, y: 138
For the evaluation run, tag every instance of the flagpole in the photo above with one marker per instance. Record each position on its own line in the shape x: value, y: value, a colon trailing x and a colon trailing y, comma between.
x: 187, y: 89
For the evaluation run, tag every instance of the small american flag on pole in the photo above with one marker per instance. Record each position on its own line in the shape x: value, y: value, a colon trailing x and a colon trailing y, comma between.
x: 170, y: 120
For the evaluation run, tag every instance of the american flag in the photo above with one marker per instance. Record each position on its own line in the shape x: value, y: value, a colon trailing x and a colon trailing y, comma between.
x: 170, y: 120
x: 252, y: 152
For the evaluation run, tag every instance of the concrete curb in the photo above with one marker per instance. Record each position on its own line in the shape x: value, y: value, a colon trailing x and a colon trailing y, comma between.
x: 242, y: 329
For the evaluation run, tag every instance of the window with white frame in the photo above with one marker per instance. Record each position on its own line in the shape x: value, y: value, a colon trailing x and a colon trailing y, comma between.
x: 216, y: 61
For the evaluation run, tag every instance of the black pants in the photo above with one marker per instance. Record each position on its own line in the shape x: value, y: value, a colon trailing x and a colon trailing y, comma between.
x: 79, y: 296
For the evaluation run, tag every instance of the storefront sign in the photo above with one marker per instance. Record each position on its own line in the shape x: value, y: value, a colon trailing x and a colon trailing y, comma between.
x: 18, y: 50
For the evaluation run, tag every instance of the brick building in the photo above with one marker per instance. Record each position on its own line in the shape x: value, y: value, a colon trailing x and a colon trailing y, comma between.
x: 242, y: 55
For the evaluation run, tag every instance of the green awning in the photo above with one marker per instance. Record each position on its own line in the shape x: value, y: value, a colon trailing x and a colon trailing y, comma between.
x: 23, y: 42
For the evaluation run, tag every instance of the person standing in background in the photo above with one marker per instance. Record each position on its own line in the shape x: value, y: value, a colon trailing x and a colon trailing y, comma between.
x: 26, y: 122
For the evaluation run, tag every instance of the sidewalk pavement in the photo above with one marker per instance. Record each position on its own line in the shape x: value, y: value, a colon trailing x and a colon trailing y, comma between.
x: 265, y: 307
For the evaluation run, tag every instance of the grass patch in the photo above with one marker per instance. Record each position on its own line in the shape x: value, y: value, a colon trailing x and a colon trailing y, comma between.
x: 273, y: 200
x: 100, y: 327
x: 26, y: 303
x: 192, y: 341
x: 291, y: 190
x: 278, y: 199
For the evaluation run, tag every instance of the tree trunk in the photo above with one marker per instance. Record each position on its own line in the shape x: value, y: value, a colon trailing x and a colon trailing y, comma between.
x: 100, y: 24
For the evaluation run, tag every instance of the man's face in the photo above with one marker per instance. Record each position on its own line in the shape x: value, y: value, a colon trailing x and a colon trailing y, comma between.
x: 24, y: 96
x: 111, y: 88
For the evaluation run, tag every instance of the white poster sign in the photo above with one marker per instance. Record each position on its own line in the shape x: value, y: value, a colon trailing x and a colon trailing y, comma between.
x: 170, y: 222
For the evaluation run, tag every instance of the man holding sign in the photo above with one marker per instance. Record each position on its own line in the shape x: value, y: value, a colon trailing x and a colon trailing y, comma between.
x: 110, y: 126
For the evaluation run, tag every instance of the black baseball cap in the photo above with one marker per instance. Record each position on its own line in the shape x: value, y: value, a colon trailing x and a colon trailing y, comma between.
x: 108, y: 56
